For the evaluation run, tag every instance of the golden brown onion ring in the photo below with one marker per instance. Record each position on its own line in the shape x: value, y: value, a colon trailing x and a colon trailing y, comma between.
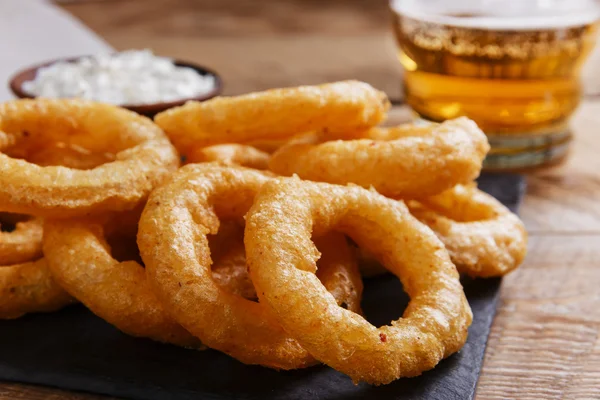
x: 22, y: 244
x: 80, y: 259
x: 405, y: 166
x: 143, y: 157
x: 174, y: 246
x: 28, y: 288
x: 483, y: 237
x: 281, y: 257
x: 340, y: 109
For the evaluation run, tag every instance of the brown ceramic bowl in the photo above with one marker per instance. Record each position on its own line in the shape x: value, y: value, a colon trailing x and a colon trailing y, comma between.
x: 28, y: 74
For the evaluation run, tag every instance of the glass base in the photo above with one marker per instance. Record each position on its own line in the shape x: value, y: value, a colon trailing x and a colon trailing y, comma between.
x: 518, y: 152
x: 523, y: 151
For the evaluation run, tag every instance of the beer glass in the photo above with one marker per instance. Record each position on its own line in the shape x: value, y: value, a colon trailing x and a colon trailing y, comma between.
x: 512, y: 66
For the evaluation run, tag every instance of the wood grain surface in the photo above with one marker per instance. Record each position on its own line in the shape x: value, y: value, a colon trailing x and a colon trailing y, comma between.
x: 271, y: 43
x: 544, y: 342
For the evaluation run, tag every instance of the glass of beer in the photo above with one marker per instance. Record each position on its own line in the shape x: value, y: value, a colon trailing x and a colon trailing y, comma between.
x: 513, y: 66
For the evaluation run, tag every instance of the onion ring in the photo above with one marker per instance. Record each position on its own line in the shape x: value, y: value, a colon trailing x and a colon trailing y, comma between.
x: 173, y: 243
x: 230, y: 154
x: 23, y: 244
x: 340, y: 109
x: 29, y: 287
x: 405, y: 166
x: 483, y: 237
x: 281, y: 258
x: 143, y: 157
x: 118, y: 292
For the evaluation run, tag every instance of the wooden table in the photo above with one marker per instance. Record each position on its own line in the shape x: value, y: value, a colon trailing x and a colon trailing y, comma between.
x: 544, y: 342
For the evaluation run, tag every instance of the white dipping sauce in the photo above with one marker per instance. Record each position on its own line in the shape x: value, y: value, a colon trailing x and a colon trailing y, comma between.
x: 132, y: 77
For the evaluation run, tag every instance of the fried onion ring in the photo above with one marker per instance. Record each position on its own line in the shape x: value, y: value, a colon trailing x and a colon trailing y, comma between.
x: 29, y: 287
x: 340, y: 109
x: 404, y: 166
x: 143, y: 157
x: 246, y: 156
x: 173, y: 243
x: 483, y: 237
x: 80, y: 259
x: 281, y: 258
x: 22, y: 244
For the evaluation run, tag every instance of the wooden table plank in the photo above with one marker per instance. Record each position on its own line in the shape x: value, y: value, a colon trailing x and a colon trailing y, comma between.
x: 567, y: 198
x: 271, y: 43
x: 257, y: 46
x: 544, y: 341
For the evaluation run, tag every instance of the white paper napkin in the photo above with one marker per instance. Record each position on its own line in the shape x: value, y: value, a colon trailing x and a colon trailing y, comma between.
x: 34, y: 31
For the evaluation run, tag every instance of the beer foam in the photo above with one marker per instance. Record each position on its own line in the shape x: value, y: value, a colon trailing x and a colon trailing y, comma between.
x: 501, y: 15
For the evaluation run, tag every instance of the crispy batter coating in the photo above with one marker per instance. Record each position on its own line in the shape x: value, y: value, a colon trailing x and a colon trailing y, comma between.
x: 29, y: 287
x: 282, y: 261
x: 142, y: 154
x: 23, y: 244
x: 483, y: 237
x: 174, y: 246
x: 80, y: 260
x: 240, y: 154
x: 340, y: 109
x: 404, y: 166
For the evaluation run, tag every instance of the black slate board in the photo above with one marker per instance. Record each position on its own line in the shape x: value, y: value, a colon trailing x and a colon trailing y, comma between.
x: 73, y: 349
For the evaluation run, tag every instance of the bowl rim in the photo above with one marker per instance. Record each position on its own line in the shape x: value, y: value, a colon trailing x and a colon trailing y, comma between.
x: 18, y: 78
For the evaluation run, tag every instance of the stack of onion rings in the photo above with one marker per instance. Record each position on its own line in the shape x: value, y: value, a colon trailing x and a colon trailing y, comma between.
x: 67, y: 158
x: 245, y: 261
x: 174, y: 246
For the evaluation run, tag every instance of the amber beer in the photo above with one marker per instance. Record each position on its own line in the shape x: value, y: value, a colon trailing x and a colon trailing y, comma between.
x: 518, y: 78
